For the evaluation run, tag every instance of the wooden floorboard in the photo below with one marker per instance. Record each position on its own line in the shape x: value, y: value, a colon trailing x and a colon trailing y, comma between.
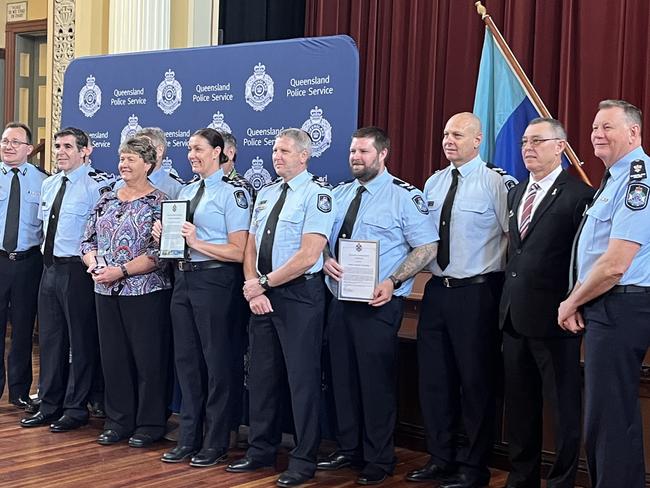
x: 36, y: 457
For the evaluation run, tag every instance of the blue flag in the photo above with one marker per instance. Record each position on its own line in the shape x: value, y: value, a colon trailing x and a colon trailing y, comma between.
x: 504, y: 109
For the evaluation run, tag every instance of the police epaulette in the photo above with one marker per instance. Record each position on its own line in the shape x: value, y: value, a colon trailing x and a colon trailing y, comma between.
x: 346, y: 182
x: 99, y: 177
x: 637, y: 170
x: 320, y: 181
x: 496, y: 169
x: 193, y: 179
x: 176, y: 177
x: 270, y: 183
x: 234, y: 182
x: 403, y: 184
x: 42, y: 170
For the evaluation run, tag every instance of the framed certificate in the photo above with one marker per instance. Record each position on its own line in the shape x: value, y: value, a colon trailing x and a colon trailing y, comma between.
x: 174, y: 213
x: 360, y: 262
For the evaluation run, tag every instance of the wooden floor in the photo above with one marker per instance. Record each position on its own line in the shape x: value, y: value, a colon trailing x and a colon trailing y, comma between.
x: 36, y: 457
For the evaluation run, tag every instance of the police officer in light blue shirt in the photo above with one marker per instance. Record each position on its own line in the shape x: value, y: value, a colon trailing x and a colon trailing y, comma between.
x: 362, y: 336
x: 20, y: 257
x: 207, y: 288
x: 611, y: 299
x: 66, y: 300
x: 458, y: 326
x: 166, y: 181
x: 284, y: 287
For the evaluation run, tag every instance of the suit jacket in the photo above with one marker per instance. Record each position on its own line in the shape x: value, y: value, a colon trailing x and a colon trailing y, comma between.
x: 537, y: 269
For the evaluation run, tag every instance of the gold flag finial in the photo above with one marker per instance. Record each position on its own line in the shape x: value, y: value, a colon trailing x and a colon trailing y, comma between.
x: 480, y: 9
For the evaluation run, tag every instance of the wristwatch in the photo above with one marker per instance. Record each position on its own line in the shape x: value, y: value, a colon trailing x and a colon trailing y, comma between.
x: 125, y: 273
x: 396, y: 283
x: 264, y: 282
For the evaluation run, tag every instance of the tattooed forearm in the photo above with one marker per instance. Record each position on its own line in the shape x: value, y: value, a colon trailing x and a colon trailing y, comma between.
x: 417, y: 259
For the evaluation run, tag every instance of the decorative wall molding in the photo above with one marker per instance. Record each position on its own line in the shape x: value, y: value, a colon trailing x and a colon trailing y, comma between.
x: 62, y: 53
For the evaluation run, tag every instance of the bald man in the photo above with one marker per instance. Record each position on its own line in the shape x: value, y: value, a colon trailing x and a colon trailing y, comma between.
x: 458, y: 328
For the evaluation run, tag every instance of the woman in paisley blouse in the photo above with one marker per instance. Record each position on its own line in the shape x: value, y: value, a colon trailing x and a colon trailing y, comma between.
x: 132, y: 292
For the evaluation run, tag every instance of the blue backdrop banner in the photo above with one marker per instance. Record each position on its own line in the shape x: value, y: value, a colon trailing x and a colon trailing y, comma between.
x: 252, y: 90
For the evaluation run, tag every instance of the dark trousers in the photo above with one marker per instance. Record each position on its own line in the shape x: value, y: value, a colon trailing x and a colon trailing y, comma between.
x: 18, y: 298
x: 457, y: 355
x: 616, y: 340
x: 363, y: 347
x: 67, y: 330
x: 134, y: 342
x: 286, y: 343
x: 538, y: 371
x: 202, y: 311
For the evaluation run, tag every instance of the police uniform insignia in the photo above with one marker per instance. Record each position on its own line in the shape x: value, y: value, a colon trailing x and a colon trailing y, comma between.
x: 169, y: 94
x: 324, y: 203
x: 510, y: 184
x: 637, y: 170
x: 320, y: 131
x: 240, y: 198
x: 421, y: 204
x: 321, y: 181
x: 636, y: 197
x: 90, y: 97
x: 219, y: 124
x: 257, y: 175
x: 403, y: 184
x: 130, y: 129
x: 259, y: 88
x: 511, y: 214
x: 104, y: 189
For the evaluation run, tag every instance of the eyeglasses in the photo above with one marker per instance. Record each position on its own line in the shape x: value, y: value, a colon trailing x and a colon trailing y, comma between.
x: 13, y: 143
x: 537, y: 142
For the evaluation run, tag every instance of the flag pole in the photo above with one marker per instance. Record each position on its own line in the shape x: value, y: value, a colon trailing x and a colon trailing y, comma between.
x: 526, y: 84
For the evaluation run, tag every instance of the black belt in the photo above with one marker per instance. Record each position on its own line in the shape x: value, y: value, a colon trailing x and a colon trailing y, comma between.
x: 200, y: 265
x: 300, y: 279
x: 630, y: 289
x: 66, y: 260
x: 456, y: 282
x: 18, y: 255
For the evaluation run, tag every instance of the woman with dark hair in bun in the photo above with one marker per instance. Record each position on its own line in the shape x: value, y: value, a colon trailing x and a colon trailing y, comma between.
x: 131, y: 296
x: 204, y: 302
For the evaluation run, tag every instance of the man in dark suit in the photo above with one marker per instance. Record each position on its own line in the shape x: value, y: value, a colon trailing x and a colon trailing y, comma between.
x: 542, y: 362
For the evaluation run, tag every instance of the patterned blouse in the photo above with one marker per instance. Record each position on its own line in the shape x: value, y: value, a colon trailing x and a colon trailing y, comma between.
x: 121, y: 231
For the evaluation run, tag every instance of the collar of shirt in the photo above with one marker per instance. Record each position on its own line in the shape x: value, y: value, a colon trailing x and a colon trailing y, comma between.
x: 622, y: 166
x: 22, y: 167
x: 214, y: 178
x: 297, y: 180
x: 156, y: 176
x: 545, y: 183
x: 466, y: 169
x: 376, y: 184
x: 76, y: 174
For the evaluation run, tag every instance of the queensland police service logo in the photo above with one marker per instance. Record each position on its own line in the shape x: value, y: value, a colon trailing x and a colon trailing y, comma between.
x: 259, y: 88
x: 90, y: 97
x: 320, y: 131
x: 257, y: 174
x: 170, y: 93
x: 166, y: 164
x: 130, y: 129
x: 218, y: 123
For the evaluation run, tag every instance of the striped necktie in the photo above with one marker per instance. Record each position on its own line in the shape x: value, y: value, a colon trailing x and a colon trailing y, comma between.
x: 527, y: 212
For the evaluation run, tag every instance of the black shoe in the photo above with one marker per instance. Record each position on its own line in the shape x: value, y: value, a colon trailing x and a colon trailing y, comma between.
x: 109, y: 437
x: 66, y: 424
x: 33, y: 406
x: 96, y: 410
x: 336, y: 461
x: 140, y: 440
x: 430, y: 472
x: 291, y: 478
x: 21, y: 402
x: 372, y: 475
x: 208, y: 457
x: 178, y: 454
x: 461, y: 480
x: 38, y: 420
x: 245, y: 465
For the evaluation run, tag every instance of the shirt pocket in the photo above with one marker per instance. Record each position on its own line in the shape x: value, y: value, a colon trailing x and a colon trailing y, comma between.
x: 381, y: 225
x: 477, y: 212
x: 32, y: 201
x: 601, y: 213
x: 291, y: 224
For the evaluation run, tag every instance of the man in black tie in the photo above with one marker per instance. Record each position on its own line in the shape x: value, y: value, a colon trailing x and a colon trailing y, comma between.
x: 21, y: 261
x: 292, y: 219
x: 68, y: 330
x: 541, y: 361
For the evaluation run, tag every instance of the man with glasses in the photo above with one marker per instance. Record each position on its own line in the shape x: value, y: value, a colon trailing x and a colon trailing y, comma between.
x: 541, y: 361
x: 67, y: 326
x: 21, y: 261
x: 457, y: 331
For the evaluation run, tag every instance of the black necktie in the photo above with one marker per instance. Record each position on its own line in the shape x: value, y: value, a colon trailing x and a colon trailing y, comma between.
x: 445, y: 220
x: 48, y: 250
x: 265, y: 255
x: 350, y: 217
x: 10, y: 241
x: 573, y: 268
x: 194, y: 202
